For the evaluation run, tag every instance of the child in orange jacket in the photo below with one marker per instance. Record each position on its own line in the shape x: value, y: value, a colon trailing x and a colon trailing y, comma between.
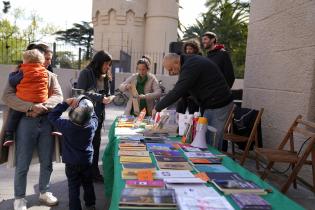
x: 31, y: 83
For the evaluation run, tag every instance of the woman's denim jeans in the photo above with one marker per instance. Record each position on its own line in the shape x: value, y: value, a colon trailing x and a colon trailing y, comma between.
x: 33, y: 133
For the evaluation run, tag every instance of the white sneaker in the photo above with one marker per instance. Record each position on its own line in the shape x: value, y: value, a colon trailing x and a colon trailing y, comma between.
x: 20, y: 204
x: 48, y: 199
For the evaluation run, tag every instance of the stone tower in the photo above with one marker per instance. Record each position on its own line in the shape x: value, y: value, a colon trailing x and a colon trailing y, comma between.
x: 135, y: 27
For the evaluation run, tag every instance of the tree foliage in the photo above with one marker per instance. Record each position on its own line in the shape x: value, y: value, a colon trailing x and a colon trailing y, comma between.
x: 229, y: 20
x: 78, y: 35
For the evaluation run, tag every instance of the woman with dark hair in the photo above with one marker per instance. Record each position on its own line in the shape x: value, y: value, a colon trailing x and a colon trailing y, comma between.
x: 187, y: 102
x: 95, y: 81
x: 147, y: 87
x: 191, y: 47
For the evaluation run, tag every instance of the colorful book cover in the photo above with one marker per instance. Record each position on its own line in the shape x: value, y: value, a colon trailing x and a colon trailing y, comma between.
x: 224, y: 176
x: 202, y: 203
x: 159, y: 146
x: 131, y: 144
x: 162, y: 174
x: 170, y: 159
x: 138, y: 166
x: 193, y: 180
x: 167, y: 153
x: 148, y: 197
x: 238, y: 186
x: 175, y: 166
x: 211, y: 168
x: 199, y: 155
x: 153, y: 184
x: 133, y: 172
x: 135, y: 159
x: 133, y: 153
x: 189, y: 148
x: 250, y: 201
x: 206, y: 160
x: 133, y: 149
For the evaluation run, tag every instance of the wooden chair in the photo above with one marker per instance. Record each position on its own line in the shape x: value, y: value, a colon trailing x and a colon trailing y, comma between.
x: 230, y: 136
x: 297, y: 160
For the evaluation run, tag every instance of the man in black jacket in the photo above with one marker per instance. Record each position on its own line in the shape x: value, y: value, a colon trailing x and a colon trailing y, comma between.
x: 217, y: 54
x: 202, y: 79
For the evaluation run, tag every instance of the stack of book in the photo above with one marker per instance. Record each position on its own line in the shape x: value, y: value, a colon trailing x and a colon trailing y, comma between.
x: 250, y: 202
x: 147, y: 198
x: 167, y: 157
x: 229, y: 183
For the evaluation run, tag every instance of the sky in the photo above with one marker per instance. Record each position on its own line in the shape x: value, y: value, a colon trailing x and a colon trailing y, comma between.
x: 63, y: 13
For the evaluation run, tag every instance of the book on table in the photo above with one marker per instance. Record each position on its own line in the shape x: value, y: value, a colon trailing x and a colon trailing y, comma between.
x: 193, y: 180
x: 214, y: 160
x: 131, y: 144
x: 175, y: 165
x: 160, y: 146
x: 193, y: 190
x: 133, y: 149
x: 211, y: 168
x: 135, y: 170
x: 134, y: 166
x: 164, y: 153
x: 229, y: 183
x: 199, y: 155
x: 133, y: 153
x: 162, y: 174
x: 202, y: 203
x: 189, y: 148
x: 145, y: 184
x: 147, y: 198
x: 250, y: 202
x: 135, y: 159
x: 170, y: 159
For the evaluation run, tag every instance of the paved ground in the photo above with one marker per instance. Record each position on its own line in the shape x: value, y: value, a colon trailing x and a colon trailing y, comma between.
x: 58, y: 179
x: 302, y: 195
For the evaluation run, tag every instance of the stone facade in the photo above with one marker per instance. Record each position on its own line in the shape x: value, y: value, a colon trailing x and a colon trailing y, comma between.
x: 135, y: 27
x: 280, y: 64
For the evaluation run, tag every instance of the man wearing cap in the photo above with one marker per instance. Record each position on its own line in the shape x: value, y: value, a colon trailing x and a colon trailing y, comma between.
x: 200, y: 78
x: 217, y: 54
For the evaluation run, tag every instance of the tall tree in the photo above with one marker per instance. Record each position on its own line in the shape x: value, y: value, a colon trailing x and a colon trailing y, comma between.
x: 229, y: 20
x: 79, y: 34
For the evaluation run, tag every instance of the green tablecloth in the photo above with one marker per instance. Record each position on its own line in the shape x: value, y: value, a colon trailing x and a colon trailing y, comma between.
x: 113, y: 184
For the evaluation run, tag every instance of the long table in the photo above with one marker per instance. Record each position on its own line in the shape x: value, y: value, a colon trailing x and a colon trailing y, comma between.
x: 113, y: 183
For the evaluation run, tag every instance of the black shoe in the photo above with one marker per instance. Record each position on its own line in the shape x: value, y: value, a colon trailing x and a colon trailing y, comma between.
x: 98, y: 178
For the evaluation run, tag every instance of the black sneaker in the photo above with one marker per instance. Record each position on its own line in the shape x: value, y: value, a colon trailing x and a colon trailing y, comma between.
x: 8, y: 139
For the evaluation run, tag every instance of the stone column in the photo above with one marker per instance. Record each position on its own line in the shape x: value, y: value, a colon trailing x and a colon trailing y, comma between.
x: 161, y: 27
